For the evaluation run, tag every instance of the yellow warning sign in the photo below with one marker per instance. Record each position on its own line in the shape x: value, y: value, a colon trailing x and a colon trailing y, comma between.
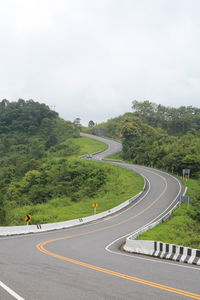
x: 27, y: 218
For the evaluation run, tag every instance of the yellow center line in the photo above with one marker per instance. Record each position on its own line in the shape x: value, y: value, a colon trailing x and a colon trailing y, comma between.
x: 41, y: 248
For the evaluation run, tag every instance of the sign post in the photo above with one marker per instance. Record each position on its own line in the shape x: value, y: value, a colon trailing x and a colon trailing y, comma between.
x: 186, y: 173
x: 185, y: 199
x: 95, y: 205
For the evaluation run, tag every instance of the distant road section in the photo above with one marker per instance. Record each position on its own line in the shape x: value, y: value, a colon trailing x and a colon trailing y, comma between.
x: 113, y: 146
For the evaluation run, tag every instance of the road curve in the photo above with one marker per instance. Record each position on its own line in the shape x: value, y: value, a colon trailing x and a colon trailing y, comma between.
x: 74, y: 263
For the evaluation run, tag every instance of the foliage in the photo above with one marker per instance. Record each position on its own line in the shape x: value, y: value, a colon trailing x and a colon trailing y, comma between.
x: 145, y: 142
x: 77, y: 123
x: 30, y: 133
x: 111, y: 128
x: 176, y: 121
x: 152, y: 147
x: 91, y: 123
x: 194, y: 193
x: 57, y: 178
x: 39, y: 175
x: 120, y: 185
x: 184, y: 227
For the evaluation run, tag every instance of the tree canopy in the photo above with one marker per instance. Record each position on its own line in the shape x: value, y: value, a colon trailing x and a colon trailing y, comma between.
x: 176, y: 121
x: 30, y: 134
x: 156, y: 135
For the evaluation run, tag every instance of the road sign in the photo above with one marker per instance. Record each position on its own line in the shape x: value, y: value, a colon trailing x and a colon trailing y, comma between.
x: 27, y: 218
x: 185, y: 199
x: 186, y: 173
x: 95, y: 205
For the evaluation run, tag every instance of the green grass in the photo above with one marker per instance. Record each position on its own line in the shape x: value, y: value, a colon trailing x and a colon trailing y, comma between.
x: 88, y: 145
x: 180, y: 229
x: 121, y: 185
x: 116, y: 157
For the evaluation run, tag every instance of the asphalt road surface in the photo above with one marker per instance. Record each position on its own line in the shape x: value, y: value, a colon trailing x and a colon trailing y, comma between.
x: 86, y: 263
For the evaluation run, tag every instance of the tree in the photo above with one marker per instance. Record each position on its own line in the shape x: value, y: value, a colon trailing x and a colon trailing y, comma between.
x: 91, y: 123
x: 77, y: 123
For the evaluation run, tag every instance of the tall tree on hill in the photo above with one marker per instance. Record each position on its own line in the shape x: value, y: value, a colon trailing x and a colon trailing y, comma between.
x: 91, y: 123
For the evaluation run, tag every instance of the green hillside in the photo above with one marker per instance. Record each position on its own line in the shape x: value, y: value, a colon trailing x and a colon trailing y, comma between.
x: 41, y: 173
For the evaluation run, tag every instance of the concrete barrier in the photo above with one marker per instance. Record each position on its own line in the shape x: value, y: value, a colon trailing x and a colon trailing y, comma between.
x: 15, y: 230
x: 139, y: 246
x: 163, y: 250
x: 160, y: 249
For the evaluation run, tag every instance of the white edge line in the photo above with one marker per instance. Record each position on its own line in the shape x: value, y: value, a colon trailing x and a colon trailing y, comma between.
x: 180, y: 188
x: 131, y: 233
x: 11, y: 292
x: 160, y: 261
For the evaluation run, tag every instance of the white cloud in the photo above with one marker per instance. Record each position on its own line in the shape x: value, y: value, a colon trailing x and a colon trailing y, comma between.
x: 91, y: 58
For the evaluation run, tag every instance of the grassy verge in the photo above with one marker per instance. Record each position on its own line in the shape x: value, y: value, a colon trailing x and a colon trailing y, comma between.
x: 88, y: 145
x: 180, y: 229
x: 121, y: 184
x: 116, y: 157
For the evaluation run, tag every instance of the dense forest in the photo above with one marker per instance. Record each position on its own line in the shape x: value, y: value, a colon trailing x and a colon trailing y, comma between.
x: 35, y: 147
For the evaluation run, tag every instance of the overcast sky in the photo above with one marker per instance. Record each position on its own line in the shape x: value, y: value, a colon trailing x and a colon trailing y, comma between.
x: 91, y: 58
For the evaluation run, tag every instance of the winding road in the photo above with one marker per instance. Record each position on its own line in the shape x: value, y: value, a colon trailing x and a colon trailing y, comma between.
x: 86, y: 263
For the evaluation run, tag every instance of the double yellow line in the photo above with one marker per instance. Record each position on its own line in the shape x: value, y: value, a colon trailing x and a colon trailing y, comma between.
x: 41, y: 247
